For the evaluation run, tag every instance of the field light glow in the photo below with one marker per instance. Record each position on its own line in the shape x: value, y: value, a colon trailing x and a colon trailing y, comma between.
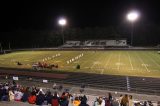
x: 132, y: 16
x: 62, y: 21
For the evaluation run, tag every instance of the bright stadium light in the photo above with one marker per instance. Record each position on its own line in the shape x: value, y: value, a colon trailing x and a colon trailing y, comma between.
x: 132, y: 17
x: 62, y: 22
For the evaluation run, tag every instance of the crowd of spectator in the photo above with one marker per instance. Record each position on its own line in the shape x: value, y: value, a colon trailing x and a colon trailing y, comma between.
x: 33, y: 95
x: 11, y: 91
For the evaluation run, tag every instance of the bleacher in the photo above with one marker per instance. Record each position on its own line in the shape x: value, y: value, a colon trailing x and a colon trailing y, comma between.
x: 92, y: 96
x: 96, y: 43
x: 70, y: 44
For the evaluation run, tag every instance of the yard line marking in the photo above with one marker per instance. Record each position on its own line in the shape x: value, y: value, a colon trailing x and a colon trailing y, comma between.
x: 153, y: 61
x: 143, y: 64
x: 130, y: 61
x: 97, y: 60
x: 93, y: 65
x: 119, y: 60
x: 157, y: 56
x: 107, y: 62
x: 85, y: 60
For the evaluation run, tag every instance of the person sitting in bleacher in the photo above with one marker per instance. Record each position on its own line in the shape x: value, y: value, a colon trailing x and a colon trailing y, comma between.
x: 76, y: 102
x: 49, y: 97
x: 11, y: 94
x: 125, y: 101
x: 55, y: 100
x: 83, y: 101
x: 32, y: 98
x: 40, y: 98
x: 26, y: 94
x: 18, y: 95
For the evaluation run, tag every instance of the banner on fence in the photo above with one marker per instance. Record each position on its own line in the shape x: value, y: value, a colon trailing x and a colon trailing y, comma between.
x: 45, y: 81
x: 15, y: 78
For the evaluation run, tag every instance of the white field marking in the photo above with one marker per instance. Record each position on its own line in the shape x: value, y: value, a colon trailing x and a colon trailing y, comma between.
x: 130, y: 61
x: 142, y: 63
x: 95, y: 63
x: 12, y: 60
x: 157, y: 56
x: 120, y: 64
x: 115, y: 68
x: 26, y: 60
x: 119, y: 60
x: 86, y: 67
x: 57, y: 61
x: 107, y: 63
x: 145, y: 64
x: 108, y: 60
x: 86, y: 60
x: 100, y: 69
x: 153, y: 61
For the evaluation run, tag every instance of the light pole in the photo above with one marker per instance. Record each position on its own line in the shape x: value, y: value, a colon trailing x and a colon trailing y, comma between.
x: 62, y: 22
x: 132, y: 17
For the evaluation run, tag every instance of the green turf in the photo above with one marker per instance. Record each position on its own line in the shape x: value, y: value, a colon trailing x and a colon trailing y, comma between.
x: 132, y: 63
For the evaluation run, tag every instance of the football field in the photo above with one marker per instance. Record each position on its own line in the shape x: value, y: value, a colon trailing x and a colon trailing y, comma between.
x: 130, y: 63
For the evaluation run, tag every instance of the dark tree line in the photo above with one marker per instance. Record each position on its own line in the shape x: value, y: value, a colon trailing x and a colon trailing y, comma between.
x: 144, y: 35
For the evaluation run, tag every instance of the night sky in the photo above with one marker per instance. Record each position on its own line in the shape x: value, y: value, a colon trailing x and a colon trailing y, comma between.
x: 43, y: 14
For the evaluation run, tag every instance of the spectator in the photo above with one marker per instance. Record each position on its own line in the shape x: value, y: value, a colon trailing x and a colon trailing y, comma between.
x: 124, y: 101
x: 26, y: 94
x: 103, y: 102
x: 115, y: 102
x: 145, y: 103
x: 60, y: 87
x: 4, y: 96
x: 107, y: 102
x: 55, y: 100
x: 18, y: 95
x: 49, y: 97
x: 96, y: 103
x: 120, y: 98
x: 14, y: 83
x: 76, y: 102
x: 32, y: 98
x: 83, y: 103
x: 11, y: 95
x: 158, y: 103
x: 131, y: 101
x: 138, y: 104
x: 84, y: 100
x: 110, y: 96
x: 54, y: 86
x: 40, y: 98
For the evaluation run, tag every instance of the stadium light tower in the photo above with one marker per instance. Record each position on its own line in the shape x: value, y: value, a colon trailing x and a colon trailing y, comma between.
x: 132, y: 17
x: 62, y: 22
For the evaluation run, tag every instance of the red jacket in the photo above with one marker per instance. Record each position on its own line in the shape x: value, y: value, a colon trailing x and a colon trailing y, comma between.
x: 32, y: 99
x: 55, y: 102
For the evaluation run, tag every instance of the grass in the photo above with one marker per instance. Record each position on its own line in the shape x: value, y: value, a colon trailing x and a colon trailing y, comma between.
x: 130, y: 63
